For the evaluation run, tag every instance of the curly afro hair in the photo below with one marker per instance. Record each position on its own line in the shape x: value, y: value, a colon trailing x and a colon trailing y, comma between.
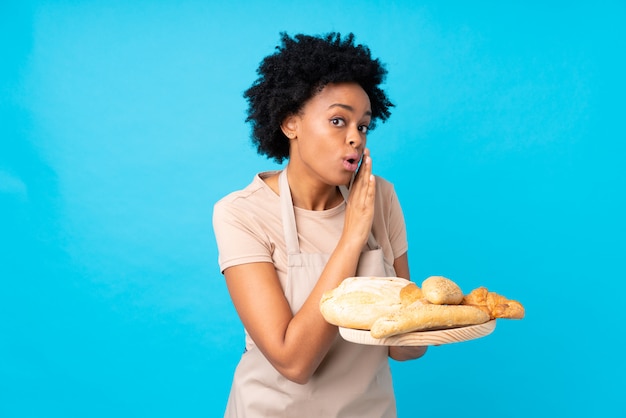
x: 300, y: 68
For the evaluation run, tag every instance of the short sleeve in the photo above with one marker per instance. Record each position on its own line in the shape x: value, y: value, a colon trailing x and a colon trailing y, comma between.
x: 240, y: 240
x: 397, y: 226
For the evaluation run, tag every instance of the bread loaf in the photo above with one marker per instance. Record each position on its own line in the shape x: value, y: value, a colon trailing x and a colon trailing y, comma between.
x: 421, y: 316
x: 359, y: 301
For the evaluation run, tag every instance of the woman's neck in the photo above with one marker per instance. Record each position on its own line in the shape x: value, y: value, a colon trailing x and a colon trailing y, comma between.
x: 312, y: 194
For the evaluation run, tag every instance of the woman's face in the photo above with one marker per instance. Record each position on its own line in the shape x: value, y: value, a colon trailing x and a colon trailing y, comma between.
x: 330, y: 133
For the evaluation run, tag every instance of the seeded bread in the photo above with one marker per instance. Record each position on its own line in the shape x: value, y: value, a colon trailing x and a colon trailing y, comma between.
x: 441, y: 291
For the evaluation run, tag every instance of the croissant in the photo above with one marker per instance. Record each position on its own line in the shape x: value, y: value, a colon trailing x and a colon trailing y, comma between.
x: 497, y: 306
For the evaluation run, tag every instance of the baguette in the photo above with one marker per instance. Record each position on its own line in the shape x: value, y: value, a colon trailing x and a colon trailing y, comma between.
x: 421, y: 316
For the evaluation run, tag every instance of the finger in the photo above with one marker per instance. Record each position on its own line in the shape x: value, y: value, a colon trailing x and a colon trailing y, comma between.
x: 365, y: 169
x: 366, y: 162
x: 371, y: 190
x: 368, y: 177
x: 365, y: 187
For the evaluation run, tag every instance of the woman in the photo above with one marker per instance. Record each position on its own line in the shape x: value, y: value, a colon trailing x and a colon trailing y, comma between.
x: 293, y: 234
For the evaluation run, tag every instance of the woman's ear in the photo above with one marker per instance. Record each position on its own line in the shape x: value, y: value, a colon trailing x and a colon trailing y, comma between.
x: 290, y: 127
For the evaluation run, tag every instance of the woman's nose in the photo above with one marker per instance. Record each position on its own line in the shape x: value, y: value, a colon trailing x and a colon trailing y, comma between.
x: 355, y: 138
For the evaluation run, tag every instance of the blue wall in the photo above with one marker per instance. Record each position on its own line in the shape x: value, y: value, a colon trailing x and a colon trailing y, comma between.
x: 121, y: 123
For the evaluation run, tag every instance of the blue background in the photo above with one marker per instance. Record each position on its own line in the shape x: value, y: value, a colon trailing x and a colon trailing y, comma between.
x: 121, y: 123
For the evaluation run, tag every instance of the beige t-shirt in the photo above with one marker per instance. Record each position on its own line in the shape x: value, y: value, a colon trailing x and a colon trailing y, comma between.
x: 248, y: 226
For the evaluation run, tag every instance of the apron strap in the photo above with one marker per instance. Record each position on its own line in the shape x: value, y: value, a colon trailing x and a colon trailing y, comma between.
x: 289, y: 219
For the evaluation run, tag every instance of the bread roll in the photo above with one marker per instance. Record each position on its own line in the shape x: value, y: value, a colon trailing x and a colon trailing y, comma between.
x: 441, y: 291
x: 359, y: 301
x: 421, y: 316
x: 410, y: 293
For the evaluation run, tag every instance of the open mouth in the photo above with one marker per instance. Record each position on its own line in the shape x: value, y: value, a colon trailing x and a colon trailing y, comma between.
x: 351, y: 164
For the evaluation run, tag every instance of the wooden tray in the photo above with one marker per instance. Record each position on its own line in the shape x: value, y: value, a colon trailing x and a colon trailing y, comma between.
x: 438, y: 337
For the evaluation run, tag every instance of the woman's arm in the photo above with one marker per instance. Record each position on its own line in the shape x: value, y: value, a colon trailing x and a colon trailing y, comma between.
x: 401, y: 266
x: 296, y: 344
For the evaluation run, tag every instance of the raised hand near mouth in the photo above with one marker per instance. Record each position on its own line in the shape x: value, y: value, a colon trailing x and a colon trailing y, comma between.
x: 360, y: 205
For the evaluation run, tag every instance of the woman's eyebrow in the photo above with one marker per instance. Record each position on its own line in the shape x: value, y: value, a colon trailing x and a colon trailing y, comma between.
x: 348, y: 107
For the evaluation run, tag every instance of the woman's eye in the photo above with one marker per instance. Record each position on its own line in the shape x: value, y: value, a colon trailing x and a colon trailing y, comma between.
x: 363, y: 128
x: 337, y: 121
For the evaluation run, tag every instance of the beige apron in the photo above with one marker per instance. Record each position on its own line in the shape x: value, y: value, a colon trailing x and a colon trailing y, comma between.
x: 353, y: 380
